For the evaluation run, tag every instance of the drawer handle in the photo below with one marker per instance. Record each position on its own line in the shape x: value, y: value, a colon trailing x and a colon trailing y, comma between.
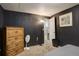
x: 15, y: 38
x: 16, y: 32
x: 16, y: 44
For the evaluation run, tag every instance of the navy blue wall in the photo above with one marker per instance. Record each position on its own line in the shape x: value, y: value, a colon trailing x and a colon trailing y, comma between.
x: 1, y: 17
x: 1, y: 25
x: 68, y: 35
x: 29, y: 22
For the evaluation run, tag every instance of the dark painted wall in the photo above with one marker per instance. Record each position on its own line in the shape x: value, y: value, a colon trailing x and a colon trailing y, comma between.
x: 1, y: 25
x: 29, y: 22
x: 68, y: 35
x: 1, y: 17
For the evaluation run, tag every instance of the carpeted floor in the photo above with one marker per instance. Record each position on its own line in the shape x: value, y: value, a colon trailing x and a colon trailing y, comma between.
x: 67, y: 50
x: 37, y: 50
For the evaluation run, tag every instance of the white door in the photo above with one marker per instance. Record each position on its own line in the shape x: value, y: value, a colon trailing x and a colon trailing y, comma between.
x: 52, y: 28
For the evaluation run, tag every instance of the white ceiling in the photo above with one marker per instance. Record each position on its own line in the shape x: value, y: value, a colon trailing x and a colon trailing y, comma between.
x: 45, y: 9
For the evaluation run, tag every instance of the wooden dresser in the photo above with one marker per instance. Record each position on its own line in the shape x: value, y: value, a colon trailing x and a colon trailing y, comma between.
x: 13, y: 40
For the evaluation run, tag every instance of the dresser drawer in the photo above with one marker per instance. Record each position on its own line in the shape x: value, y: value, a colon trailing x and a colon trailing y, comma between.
x: 19, y: 44
x: 10, y: 33
x: 19, y: 50
x: 19, y: 38
x: 19, y: 32
x: 11, y: 52
x: 10, y: 40
x: 10, y: 46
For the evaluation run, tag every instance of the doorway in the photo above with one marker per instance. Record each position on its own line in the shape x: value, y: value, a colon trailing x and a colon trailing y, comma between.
x: 49, y: 31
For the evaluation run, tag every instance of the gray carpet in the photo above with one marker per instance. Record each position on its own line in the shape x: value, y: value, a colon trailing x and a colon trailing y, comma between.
x: 68, y: 50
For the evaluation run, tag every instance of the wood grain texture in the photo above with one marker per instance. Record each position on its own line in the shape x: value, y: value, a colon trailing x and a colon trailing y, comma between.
x: 14, y: 40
